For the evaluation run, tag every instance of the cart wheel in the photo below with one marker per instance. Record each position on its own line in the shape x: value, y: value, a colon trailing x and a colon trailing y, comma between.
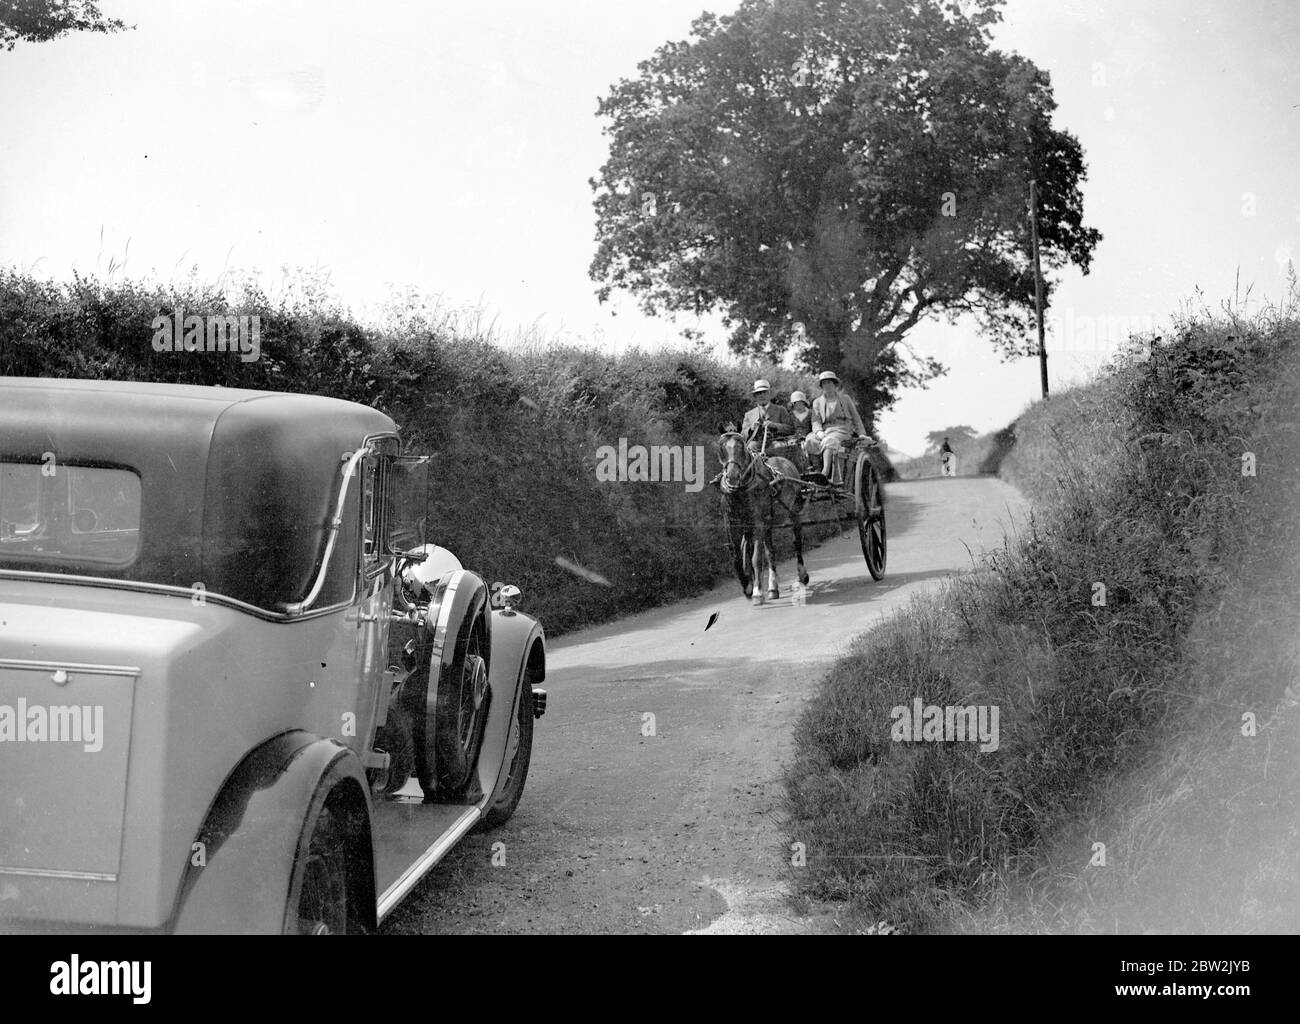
x: 869, y: 505
x: 323, y: 886
x: 519, y: 752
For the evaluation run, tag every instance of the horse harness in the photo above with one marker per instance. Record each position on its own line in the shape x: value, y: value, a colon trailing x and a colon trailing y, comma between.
x: 746, y: 477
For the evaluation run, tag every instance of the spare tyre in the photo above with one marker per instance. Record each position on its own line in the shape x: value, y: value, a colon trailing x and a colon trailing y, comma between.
x: 452, y: 688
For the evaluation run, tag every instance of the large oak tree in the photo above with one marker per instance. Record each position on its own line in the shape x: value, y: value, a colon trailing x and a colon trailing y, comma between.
x: 824, y: 174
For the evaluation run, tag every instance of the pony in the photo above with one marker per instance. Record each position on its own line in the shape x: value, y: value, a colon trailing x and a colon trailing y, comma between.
x: 753, y: 486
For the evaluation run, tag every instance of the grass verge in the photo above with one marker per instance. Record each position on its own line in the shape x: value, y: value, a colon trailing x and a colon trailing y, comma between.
x: 1138, y: 642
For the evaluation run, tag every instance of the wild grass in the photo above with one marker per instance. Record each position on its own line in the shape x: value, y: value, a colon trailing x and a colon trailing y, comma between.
x: 1121, y: 722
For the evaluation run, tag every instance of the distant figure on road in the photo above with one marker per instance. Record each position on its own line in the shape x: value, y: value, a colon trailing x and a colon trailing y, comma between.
x: 948, y: 459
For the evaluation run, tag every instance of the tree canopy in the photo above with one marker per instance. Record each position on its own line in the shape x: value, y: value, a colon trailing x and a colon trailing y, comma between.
x: 38, y: 21
x: 825, y: 174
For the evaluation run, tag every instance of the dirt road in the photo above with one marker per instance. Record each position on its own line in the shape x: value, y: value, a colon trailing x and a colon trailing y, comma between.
x: 671, y: 823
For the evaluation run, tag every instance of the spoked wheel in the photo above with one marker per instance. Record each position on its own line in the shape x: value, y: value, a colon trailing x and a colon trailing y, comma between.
x: 323, y: 892
x: 461, y: 714
x: 869, y: 507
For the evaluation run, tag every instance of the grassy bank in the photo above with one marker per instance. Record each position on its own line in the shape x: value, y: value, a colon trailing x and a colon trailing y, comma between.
x: 516, y: 430
x: 1138, y: 641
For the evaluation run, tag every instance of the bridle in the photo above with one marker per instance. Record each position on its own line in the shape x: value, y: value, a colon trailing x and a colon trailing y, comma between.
x: 746, y: 468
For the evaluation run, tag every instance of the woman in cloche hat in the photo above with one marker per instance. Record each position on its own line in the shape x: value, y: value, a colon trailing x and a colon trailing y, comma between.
x: 835, y: 420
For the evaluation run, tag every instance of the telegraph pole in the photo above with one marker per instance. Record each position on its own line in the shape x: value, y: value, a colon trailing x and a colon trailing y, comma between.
x: 1038, y: 285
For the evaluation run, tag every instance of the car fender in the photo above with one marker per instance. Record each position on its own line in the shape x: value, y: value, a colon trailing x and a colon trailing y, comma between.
x: 457, y: 596
x: 516, y: 638
x: 241, y: 867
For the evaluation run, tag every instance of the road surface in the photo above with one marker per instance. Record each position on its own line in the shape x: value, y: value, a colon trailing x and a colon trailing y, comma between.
x: 671, y: 824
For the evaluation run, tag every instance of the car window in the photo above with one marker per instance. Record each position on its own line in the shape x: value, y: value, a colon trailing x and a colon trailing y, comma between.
x: 374, y: 505
x: 69, y: 513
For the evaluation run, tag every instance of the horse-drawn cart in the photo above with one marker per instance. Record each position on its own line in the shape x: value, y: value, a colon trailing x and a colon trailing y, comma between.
x: 853, y: 493
x: 755, y: 485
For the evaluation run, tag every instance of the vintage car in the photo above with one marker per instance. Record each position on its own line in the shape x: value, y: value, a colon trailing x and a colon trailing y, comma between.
x: 201, y: 728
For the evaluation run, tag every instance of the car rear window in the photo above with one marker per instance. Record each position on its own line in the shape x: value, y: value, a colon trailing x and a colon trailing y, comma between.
x: 67, y: 513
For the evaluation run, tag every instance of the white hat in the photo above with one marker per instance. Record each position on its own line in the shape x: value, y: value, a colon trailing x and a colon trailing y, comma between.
x: 826, y: 375
x: 761, y: 385
x: 798, y: 396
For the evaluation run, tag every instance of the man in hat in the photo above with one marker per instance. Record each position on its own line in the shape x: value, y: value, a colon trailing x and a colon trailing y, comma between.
x: 777, y: 418
x: 835, y: 420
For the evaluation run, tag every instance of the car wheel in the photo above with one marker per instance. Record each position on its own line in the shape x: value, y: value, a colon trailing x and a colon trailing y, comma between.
x: 323, y: 905
x: 460, y: 716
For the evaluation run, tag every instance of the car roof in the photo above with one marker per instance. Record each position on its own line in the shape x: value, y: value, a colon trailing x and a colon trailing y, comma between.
x: 204, y: 399
x: 195, y: 404
x: 237, y: 485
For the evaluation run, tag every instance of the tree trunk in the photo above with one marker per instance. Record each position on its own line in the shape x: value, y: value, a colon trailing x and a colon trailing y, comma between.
x: 852, y: 356
x: 859, y: 364
x: 828, y: 337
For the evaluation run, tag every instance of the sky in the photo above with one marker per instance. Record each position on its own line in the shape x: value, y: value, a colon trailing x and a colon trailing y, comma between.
x: 446, y: 147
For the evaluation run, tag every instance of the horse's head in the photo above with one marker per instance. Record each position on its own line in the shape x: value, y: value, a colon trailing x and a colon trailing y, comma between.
x: 737, y: 462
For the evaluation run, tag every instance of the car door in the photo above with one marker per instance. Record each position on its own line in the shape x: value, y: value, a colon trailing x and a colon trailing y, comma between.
x: 375, y: 593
